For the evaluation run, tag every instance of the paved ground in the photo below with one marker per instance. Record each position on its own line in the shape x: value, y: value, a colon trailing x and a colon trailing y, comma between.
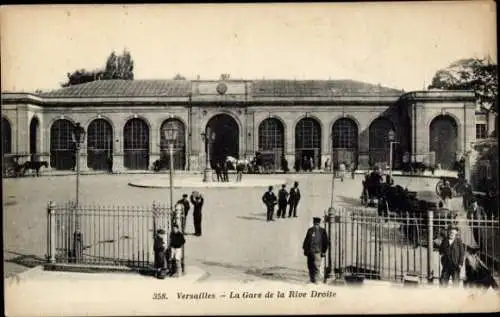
x: 237, y: 242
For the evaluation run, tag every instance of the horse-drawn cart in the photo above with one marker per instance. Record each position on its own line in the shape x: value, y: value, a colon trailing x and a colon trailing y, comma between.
x: 11, y: 165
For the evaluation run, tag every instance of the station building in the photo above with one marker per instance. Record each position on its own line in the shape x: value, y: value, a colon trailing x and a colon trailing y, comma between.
x: 341, y: 119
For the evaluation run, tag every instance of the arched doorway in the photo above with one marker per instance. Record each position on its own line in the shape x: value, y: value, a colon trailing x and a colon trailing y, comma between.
x: 227, y: 138
x: 443, y: 134
x: 179, y: 143
x: 34, y: 138
x: 136, y: 144
x: 308, y: 142
x: 345, y: 141
x: 62, y: 147
x: 379, y: 143
x: 6, y: 136
x: 99, y: 144
x: 272, y: 139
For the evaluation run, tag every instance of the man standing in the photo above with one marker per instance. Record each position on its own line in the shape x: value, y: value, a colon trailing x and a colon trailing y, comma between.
x: 176, y: 243
x: 342, y: 169
x: 269, y: 200
x: 452, y: 252
x: 294, y: 199
x: 218, y: 171
x: 185, y: 202
x: 197, y: 201
x: 315, y: 245
x: 476, y: 214
x: 282, y: 201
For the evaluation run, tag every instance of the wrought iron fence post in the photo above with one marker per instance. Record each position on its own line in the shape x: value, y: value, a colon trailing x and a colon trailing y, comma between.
x: 51, y: 232
x: 430, y: 234
x: 330, y: 218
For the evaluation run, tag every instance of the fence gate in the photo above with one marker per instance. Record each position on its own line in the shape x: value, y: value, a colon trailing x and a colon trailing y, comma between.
x: 106, y: 235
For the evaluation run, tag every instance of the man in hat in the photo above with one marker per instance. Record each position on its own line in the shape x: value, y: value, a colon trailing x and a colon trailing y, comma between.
x: 293, y: 200
x: 197, y: 201
x: 269, y: 199
x: 452, y: 251
x: 315, y: 245
x: 185, y: 202
x: 160, y: 252
x: 282, y: 201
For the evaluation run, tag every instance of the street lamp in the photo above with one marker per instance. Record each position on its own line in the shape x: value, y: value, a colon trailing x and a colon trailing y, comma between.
x: 391, y: 135
x: 208, y: 138
x: 171, y: 135
x: 78, y: 136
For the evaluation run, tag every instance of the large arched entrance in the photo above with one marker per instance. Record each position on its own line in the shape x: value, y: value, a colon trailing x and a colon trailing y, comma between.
x: 272, y: 139
x: 179, y: 143
x: 99, y: 144
x: 227, y: 137
x: 6, y: 136
x: 136, y: 144
x: 308, y: 142
x: 62, y: 147
x: 34, y: 137
x: 345, y: 141
x: 443, y: 140
x: 379, y: 143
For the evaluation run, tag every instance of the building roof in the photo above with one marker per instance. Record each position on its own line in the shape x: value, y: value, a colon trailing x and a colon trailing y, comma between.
x: 182, y: 88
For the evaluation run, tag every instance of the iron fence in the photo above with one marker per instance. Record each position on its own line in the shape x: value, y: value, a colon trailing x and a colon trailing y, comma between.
x: 395, y: 246
x: 107, y: 235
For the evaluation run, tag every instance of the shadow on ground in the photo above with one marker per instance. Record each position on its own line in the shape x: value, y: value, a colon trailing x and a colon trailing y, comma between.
x: 251, y: 218
x: 26, y: 260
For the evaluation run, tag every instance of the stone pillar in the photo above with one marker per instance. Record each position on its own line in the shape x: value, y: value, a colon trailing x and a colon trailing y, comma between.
x: 250, y: 136
x: 83, y: 158
x: 290, y: 144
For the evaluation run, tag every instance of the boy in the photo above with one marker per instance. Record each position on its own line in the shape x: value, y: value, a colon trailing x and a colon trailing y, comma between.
x: 177, y: 241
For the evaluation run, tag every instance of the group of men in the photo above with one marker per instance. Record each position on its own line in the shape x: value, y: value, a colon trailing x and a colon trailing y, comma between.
x: 283, y: 200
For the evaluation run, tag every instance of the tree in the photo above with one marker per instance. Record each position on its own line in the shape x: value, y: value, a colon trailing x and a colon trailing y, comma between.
x: 479, y: 75
x: 117, y: 67
x: 179, y: 77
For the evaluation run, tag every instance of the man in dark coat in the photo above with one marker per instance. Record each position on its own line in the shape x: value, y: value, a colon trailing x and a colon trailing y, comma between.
x: 185, y: 202
x: 452, y: 251
x: 197, y: 201
x: 315, y: 246
x: 269, y: 199
x: 218, y: 171
x: 160, y: 253
x: 225, y: 169
x: 282, y: 201
x: 476, y: 214
x: 293, y: 200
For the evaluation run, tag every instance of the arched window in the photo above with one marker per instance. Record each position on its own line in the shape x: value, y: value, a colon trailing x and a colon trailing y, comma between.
x: 308, y: 142
x: 136, y: 144
x: 62, y: 147
x: 99, y: 144
x: 179, y: 143
x: 345, y: 141
x: 443, y: 136
x: 379, y: 142
x: 272, y: 139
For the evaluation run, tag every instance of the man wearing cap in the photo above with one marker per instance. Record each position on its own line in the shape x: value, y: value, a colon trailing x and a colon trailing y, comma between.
x: 315, y: 245
x: 282, y: 201
x: 269, y: 199
x: 197, y: 201
x: 185, y: 202
x: 452, y: 251
x: 293, y: 200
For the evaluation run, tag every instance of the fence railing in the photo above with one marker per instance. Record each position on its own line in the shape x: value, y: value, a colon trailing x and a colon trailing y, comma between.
x: 392, y: 247
x: 106, y: 235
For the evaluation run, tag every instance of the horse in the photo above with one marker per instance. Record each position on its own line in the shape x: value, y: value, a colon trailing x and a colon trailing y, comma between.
x: 34, y: 166
x: 477, y: 273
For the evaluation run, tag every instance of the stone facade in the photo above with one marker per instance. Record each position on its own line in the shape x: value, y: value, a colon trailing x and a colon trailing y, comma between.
x: 249, y: 105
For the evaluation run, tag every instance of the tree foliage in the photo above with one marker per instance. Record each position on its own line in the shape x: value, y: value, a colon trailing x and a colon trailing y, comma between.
x: 179, y: 77
x: 479, y: 75
x: 117, y: 67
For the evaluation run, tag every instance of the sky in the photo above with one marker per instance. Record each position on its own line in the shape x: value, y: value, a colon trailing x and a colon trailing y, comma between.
x: 398, y: 45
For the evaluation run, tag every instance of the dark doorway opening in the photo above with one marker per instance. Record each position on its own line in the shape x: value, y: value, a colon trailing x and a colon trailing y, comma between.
x: 227, y: 136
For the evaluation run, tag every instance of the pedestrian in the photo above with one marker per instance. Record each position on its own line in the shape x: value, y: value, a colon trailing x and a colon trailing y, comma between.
x: 284, y: 165
x: 240, y: 166
x: 218, y: 171
x: 305, y: 163
x: 311, y: 164
x: 160, y: 253
x: 315, y: 246
x: 293, y: 200
x: 177, y: 241
x: 468, y: 196
x: 225, y: 168
x: 476, y: 214
x: 327, y: 165
x: 342, y: 169
x: 452, y: 251
x: 197, y: 201
x: 109, y: 163
x: 282, y: 201
x: 185, y: 203
x: 446, y: 192
x: 269, y: 200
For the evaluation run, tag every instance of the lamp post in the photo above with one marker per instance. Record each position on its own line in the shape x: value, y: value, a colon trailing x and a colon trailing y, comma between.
x: 208, y: 138
x: 391, y: 136
x: 171, y: 136
x: 78, y: 137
